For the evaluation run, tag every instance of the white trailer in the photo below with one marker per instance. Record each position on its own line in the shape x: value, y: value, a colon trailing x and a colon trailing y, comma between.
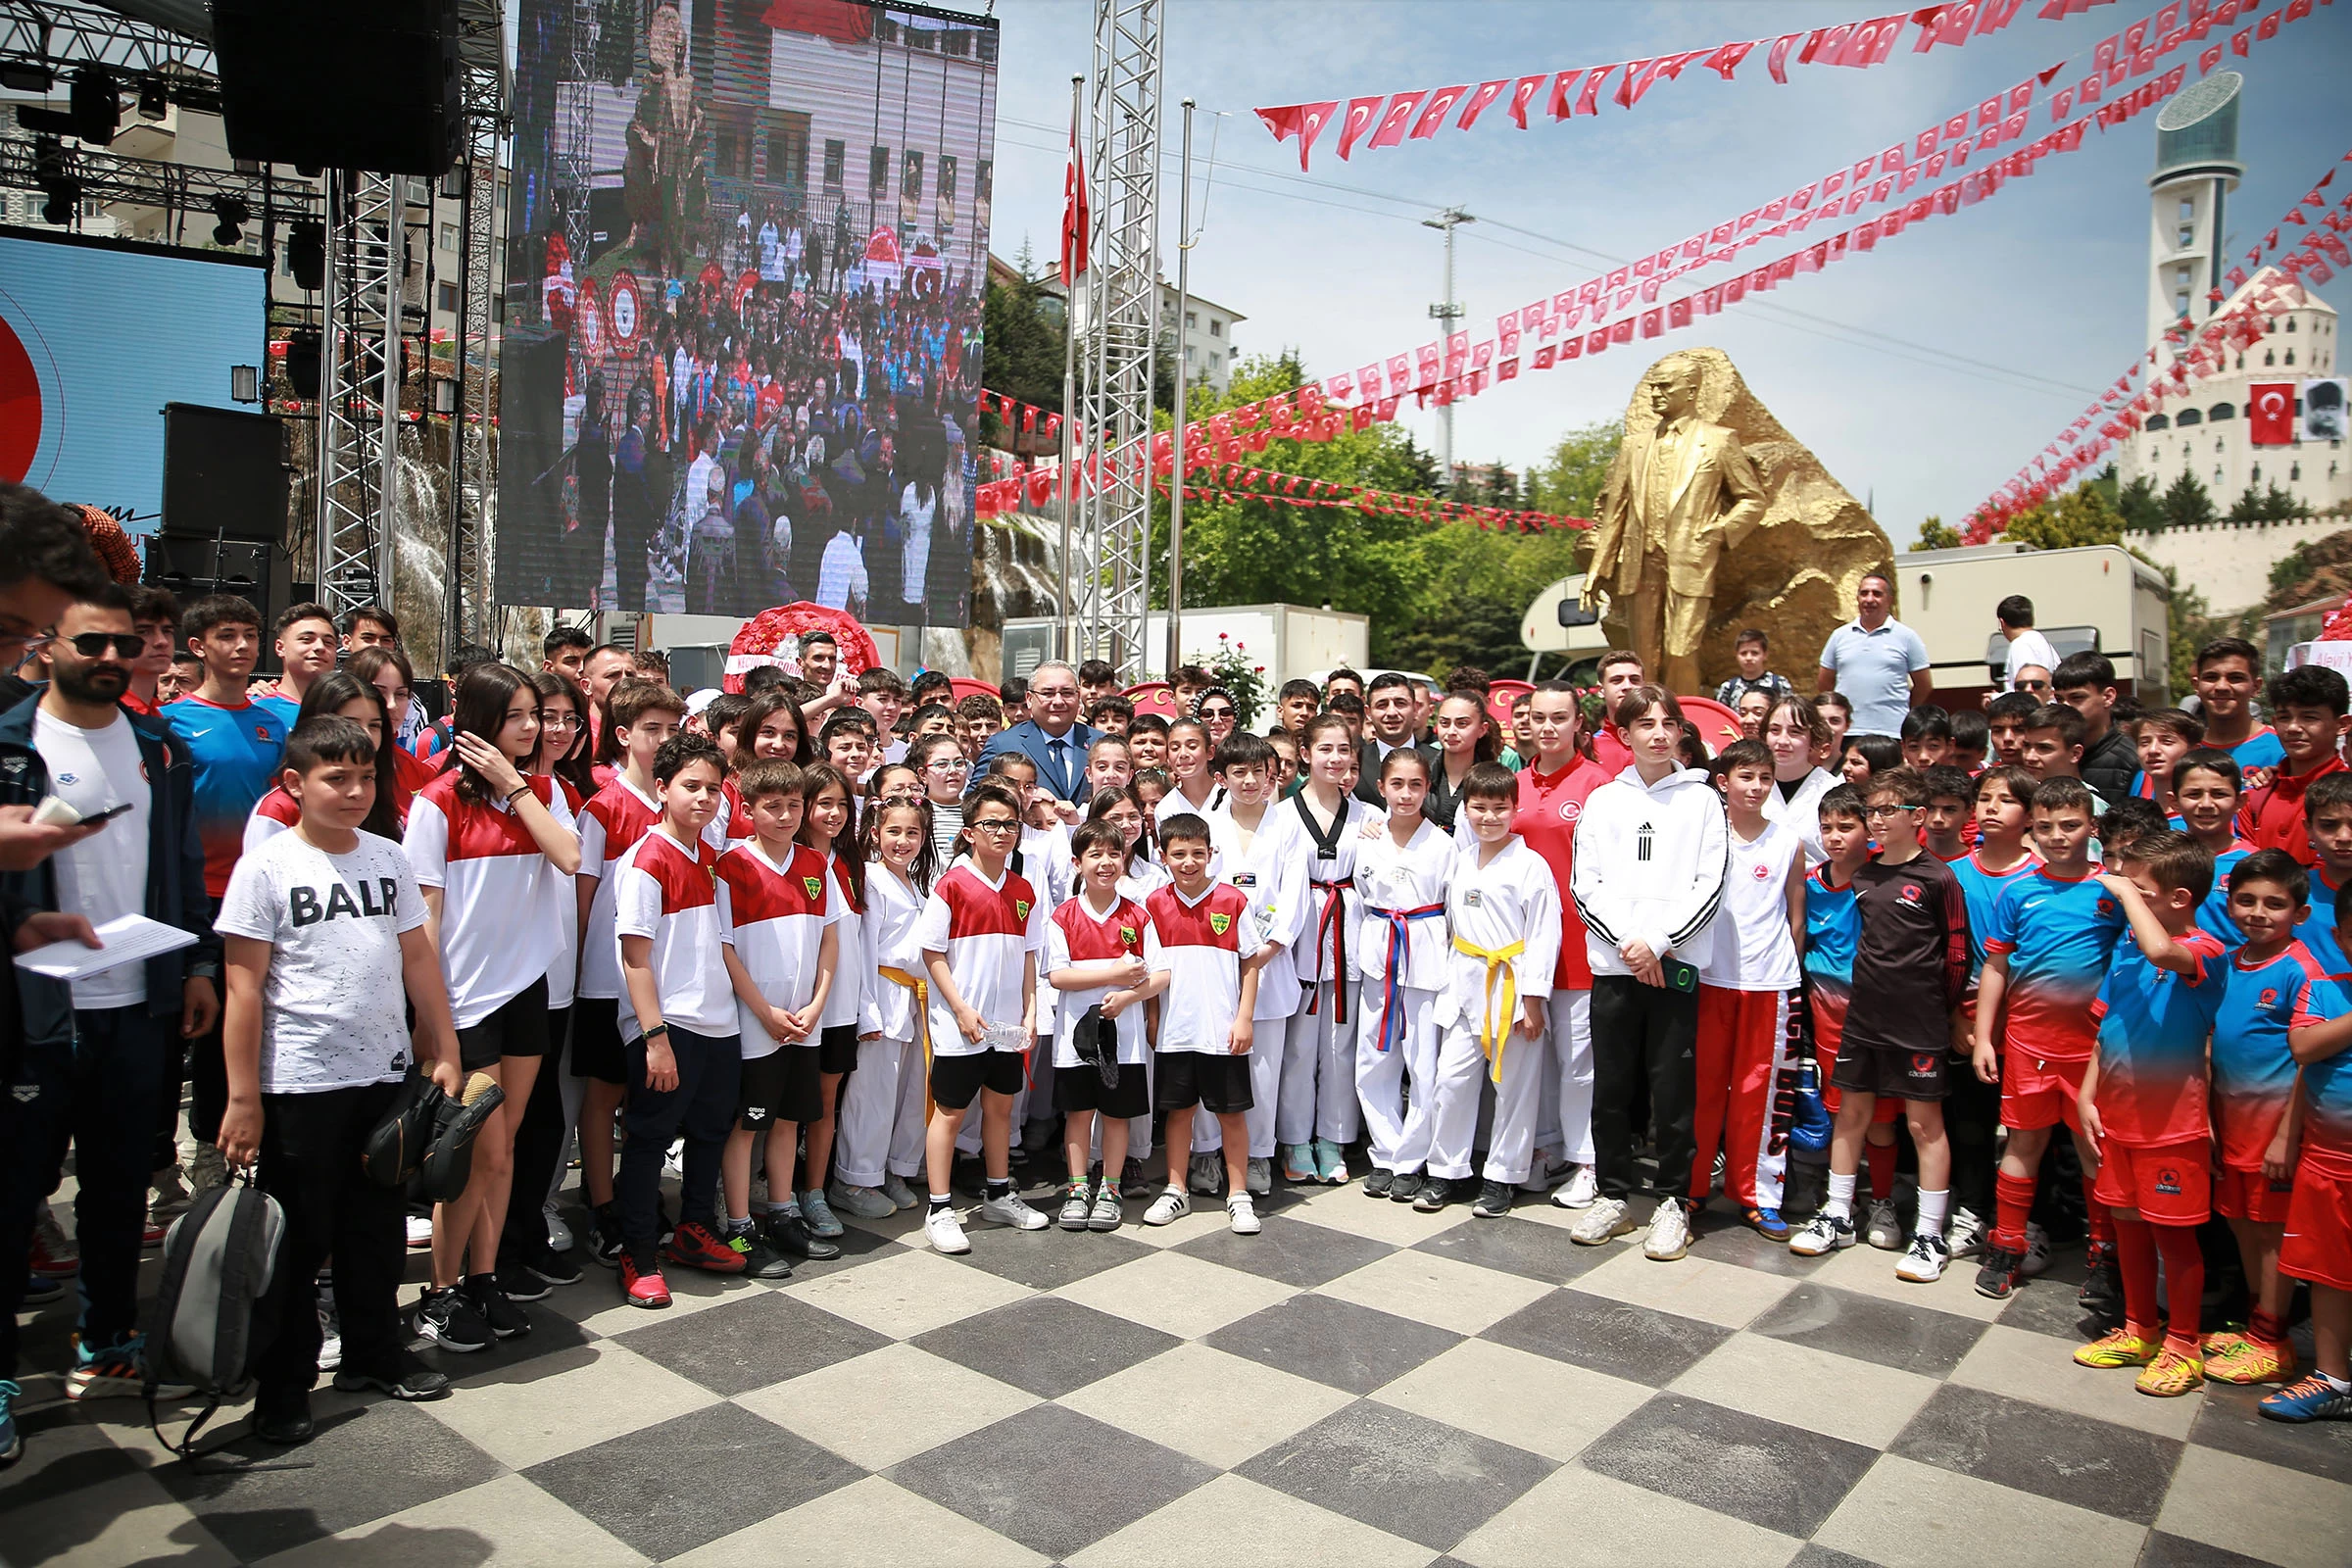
x: 2099, y: 598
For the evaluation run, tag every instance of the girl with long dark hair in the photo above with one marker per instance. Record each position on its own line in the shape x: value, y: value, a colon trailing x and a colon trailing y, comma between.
x: 338, y: 694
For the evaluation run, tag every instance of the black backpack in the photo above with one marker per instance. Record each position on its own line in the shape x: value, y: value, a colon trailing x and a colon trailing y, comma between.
x: 210, y: 1317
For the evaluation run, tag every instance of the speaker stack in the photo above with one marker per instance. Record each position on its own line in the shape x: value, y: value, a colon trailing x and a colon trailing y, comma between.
x: 225, y: 511
x: 371, y: 85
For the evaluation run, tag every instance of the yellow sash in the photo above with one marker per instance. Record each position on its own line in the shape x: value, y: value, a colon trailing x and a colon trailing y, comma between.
x: 1493, y: 1036
x: 923, y: 1021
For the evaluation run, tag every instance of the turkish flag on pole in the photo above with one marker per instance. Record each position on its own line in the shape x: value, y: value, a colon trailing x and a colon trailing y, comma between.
x: 1074, y: 213
x: 2270, y: 409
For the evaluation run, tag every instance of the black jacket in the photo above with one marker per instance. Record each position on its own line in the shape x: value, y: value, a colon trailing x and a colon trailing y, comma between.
x: 2110, y: 765
x: 44, y: 1008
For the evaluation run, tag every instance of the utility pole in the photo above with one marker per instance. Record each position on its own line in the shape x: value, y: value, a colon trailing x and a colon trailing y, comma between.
x: 1183, y: 274
x: 1447, y: 312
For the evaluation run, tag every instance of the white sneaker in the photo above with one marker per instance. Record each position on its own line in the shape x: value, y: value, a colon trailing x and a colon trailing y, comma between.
x: 420, y: 1232
x: 1241, y: 1214
x: 1967, y: 1232
x: 331, y: 1339
x: 1011, y: 1210
x: 1823, y: 1233
x: 1543, y: 1175
x: 1168, y: 1207
x: 1669, y: 1232
x: 2037, y: 1251
x: 1923, y: 1264
x: 559, y: 1234
x: 1581, y: 1189
x: 1884, y: 1227
x: 944, y: 1232
x: 1604, y: 1221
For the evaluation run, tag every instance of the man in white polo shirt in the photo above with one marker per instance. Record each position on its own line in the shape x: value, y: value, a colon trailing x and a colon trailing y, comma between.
x: 1878, y: 663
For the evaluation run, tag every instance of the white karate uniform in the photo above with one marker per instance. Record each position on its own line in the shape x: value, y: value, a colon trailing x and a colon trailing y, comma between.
x: 1272, y: 872
x: 1393, y: 882
x: 879, y: 1119
x: 1510, y: 901
x: 1317, y: 1092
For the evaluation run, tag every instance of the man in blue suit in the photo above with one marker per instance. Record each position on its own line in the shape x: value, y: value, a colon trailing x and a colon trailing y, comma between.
x: 1052, y: 738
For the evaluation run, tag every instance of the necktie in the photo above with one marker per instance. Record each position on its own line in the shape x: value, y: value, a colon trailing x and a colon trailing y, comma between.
x: 1061, y: 769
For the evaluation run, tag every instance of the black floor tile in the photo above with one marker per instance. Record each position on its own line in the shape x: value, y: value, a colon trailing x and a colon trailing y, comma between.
x: 1290, y: 1250
x: 764, y: 1338
x: 2231, y: 1422
x: 1817, y: 1556
x: 2047, y: 1305
x: 1517, y: 1247
x: 1047, y: 1344
x: 1777, y: 1476
x: 1625, y: 1342
x: 1051, y: 1478
x: 2091, y: 1464
x: 1047, y: 1260
x: 1823, y: 1317
x: 2179, y: 1551
x: 677, y: 1484
x: 1399, y: 1472
x: 1333, y: 1342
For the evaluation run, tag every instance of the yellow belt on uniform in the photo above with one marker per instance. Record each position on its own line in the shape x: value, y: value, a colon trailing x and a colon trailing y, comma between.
x: 1490, y: 1036
x: 922, y: 1020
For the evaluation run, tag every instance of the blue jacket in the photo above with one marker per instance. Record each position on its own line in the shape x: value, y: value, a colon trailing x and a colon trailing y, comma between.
x: 175, y: 872
x: 1025, y: 739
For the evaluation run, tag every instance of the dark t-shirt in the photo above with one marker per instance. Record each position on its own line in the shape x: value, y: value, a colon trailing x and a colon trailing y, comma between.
x: 1911, y: 960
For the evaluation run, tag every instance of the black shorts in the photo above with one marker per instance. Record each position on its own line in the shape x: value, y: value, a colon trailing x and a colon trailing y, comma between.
x: 781, y: 1086
x: 597, y: 1051
x: 518, y: 1028
x: 1080, y: 1089
x: 1218, y: 1084
x: 1892, y: 1074
x: 837, y: 1048
x: 954, y: 1079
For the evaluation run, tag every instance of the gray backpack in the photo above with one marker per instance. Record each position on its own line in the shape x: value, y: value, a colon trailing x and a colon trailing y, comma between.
x: 210, y: 1323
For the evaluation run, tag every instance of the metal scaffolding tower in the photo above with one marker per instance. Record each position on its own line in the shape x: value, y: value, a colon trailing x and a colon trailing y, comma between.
x: 358, y: 385
x: 1118, y: 331
x: 472, y: 487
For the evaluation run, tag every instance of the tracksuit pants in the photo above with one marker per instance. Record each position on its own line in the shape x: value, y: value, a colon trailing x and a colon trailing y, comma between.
x: 1642, y: 1035
x: 1745, y: 1072
x: 309, y: 1162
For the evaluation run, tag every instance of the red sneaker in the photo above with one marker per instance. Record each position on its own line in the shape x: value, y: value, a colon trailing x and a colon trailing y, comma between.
x: 154, y: 1233
x: 53, y: 1257
x: 693, y: 1246
x: 646, y: 1290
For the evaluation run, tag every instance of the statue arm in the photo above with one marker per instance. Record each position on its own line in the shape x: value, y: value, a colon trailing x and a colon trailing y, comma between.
x: 1745, y: 487
x: 1608, y: 530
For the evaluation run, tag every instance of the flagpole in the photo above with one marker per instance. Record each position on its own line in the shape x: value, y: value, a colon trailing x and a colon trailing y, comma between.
x: 1184, y: 263
x: 1065, y: 643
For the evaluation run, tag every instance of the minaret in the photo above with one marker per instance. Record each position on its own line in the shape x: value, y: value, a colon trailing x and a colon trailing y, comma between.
x: 2196, y: 169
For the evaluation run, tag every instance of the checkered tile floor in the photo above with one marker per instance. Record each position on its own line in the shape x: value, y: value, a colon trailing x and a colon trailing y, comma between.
x: 1362, y: 1384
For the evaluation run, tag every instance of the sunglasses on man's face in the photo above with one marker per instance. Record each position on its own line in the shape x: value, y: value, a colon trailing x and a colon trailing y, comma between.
x: 92, y: 644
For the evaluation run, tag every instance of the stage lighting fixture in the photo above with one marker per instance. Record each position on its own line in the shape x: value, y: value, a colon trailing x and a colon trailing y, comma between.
x: 96, y: 105
x: 154, y: 103
x: 63, y: 195
x: 231, y: 214
x: 244, y: 383
x: 23, y: 75
x: 306, y: 255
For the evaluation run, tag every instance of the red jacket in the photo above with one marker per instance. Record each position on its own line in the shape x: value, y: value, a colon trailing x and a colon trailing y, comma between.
x: 1549, y: 807
x: 2271, y: 818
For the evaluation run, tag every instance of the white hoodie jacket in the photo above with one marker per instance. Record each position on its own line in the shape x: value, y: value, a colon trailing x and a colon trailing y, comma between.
x: 1649, y: 865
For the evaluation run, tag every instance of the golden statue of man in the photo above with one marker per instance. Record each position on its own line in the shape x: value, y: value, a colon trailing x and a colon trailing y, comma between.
x: 1675, y: 500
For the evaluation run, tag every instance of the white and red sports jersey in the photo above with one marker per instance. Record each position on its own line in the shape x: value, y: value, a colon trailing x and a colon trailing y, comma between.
x: 1076, y: 934
x: 610, y: 824
x: 774, y: 916
x: 500, y: 924
x: 845, y: 1003
x: 562, y: 975
x: 734, y: 820
x: 990, y: 933
x: 1200, y: 942
x: 669, y: 892
x: 886, y: 939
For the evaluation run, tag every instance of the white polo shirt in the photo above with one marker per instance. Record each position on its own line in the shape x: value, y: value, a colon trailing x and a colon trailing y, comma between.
x: 1874, y: 670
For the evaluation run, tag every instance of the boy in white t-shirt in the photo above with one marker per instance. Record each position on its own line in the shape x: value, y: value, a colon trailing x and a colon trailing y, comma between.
x: 684, y: 1060
x: 324, y: 936
x: 1749, y: 990
x: 1094, y: 962
x: 777, y: 921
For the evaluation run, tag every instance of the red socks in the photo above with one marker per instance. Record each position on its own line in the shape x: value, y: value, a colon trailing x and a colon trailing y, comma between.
x: 2100, y: 1225
x: 2266, y: 1328
x: 1881, y: 1169
x: 2185, y: 1284
x: 2013, y: 1201
x: 2135, y: 1258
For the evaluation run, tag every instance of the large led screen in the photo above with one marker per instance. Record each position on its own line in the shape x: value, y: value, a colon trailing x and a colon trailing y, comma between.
x: 95, y: 338
x: 741, y: 343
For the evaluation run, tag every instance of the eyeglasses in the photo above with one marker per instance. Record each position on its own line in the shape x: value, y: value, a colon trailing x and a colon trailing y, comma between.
x: 947, y: 764
x: 1888, y: 811
x: 996, y: 824
x: 92, y: 644
x: 553, y: 720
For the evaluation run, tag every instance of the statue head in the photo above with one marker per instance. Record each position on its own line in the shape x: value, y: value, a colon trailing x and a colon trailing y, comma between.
x: 1674, y: 388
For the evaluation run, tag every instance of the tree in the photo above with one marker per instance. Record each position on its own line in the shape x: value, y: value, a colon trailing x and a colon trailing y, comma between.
x: 2144, y: 511
x: 2186, y: 502
x: 1934, y: 535
x: 2274, y: 505
x: 1568, y: 483
x: 2081, y: 517
x: 1024, y: 351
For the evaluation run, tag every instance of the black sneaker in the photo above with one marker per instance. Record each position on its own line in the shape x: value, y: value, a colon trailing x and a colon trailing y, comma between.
x: 606, y: 1247
x: 1131, y: 1175
x: 2102, y: 1289
x: 1493, y: 1201
x: 448, y: 1319
x: 1378, y: 1182
x: 761, y: 1262
x: 283, y: 1419
x: 1436, y: 1192
x: 789, y: 1234
x: 2000, y: 1276
x: 520, y: 1284
x: 409, y: 1378
x: 556, y: 1269
x: 1406, y: 1186
x: 497, y: 1308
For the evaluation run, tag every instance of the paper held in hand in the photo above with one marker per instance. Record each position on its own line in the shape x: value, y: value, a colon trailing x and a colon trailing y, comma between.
x: 132, y: 939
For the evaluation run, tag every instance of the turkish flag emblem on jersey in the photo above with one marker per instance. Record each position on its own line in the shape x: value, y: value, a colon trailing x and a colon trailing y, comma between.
x: 2271, y: 407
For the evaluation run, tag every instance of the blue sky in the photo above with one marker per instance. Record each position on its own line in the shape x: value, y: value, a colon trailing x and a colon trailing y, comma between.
x: 1925, y: 373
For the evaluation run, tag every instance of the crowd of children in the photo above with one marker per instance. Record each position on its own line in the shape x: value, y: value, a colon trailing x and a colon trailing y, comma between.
x: 785, y: 946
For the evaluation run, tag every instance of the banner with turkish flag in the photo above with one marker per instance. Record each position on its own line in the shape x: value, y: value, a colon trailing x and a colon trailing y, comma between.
x: 2271, y: 412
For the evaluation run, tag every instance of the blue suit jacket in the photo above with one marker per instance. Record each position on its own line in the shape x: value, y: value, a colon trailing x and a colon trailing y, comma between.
x: 1026, y: 739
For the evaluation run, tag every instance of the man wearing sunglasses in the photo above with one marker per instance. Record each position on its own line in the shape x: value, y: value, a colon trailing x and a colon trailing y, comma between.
x: 93, y: 1062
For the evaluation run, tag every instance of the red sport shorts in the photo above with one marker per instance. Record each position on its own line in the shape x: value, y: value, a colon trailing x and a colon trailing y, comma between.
x: 2319, y: 1225
x: 2037, y: 1092
x: 2245, y: 1195
x: 2170, y: 1184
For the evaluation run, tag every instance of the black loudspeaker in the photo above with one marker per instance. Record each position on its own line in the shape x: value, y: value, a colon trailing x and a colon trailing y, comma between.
x: 347, y: 85
x: 535, y: 564
x: 225, y: 474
